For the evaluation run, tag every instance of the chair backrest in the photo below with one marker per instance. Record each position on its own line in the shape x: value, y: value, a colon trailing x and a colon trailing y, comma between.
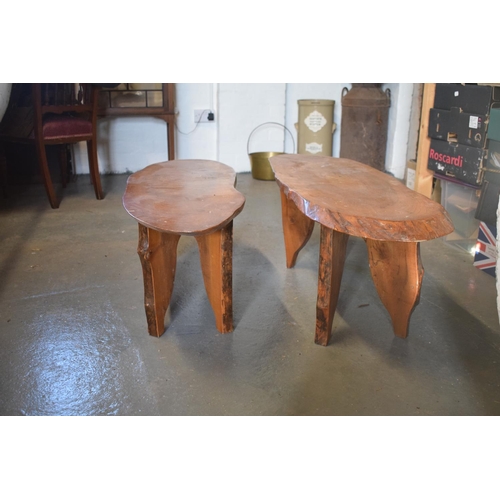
x: 54, y: 94
x: 65, y: 100
x: 63, y: 97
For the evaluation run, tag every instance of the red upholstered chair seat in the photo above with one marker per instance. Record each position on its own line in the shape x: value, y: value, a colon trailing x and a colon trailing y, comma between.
x: 54, y: 115
x: 63, y: 126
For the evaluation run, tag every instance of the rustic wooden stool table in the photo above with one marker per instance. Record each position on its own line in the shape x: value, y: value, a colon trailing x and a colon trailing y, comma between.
x: 351, y: 199
x: 185, y: 197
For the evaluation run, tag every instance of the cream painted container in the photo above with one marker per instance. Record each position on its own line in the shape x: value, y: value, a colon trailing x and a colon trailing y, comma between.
x: 315, y: 127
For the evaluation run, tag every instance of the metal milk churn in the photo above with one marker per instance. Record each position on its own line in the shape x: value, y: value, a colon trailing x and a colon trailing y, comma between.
x: 315, y: 127
x: 365, y: 120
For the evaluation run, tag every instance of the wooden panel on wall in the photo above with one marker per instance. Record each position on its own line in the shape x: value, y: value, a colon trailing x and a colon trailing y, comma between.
x: 424, y: 176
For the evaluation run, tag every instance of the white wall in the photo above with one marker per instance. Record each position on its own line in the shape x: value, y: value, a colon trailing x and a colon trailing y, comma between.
x: 243, y: 107
x: 196, y: 141
x: 128, y: 144
x: 399, y: 127
x: 125, y: 144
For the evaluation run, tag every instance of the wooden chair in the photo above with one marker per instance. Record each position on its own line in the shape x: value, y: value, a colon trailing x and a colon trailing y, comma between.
x: 55, y: 114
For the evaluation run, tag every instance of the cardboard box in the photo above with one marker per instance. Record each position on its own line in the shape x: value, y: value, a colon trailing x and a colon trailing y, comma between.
x: 474, y: 99
x: 456, y: 126
x: 485, y: 257
x: 463, y: 163
x: 490, y: 187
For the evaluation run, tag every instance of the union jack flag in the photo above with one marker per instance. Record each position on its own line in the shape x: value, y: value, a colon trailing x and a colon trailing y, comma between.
x: 486, y: 254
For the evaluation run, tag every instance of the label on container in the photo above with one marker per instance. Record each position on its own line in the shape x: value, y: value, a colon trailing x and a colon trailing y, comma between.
x: 410, y: 178
x: 474, y: 122
x: 314, y: 148
x: 487, y: 249
x: 315, y: 121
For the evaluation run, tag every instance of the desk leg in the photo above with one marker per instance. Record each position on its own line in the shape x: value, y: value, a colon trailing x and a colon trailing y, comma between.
x: 333, y: 246
x: 158, y: 254
x: 297, y: 229
x: 216, y: 256
x: 397, y: 273
x: 171, y: 137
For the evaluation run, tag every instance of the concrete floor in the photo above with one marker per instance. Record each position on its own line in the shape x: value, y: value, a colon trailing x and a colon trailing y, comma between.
x: 73, y: 337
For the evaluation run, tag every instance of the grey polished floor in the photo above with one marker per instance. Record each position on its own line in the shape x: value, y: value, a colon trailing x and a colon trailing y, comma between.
x: 73, y: 337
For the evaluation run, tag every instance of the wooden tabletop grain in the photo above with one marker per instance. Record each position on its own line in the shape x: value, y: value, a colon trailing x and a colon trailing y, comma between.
x: 191, y: 197
x: 359, y: 200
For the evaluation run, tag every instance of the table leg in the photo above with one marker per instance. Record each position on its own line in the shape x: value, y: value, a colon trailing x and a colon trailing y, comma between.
x: 297, y: 229
x: 333, y: 246
x: 216, y: 256
x: 158, y: 254
x: 397, y: 273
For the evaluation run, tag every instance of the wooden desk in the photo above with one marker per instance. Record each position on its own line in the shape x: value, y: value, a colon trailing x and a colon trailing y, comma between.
x: 136, y: 99
x: 185, y: 197
x: 351, y: 199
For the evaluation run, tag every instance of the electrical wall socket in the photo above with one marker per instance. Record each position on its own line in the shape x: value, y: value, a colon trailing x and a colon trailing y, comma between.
x: 201, y: 116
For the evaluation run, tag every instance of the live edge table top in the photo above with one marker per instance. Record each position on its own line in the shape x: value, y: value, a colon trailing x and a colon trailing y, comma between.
x: 190, y: 197
x: 185, y: 197
x: 358, y: 200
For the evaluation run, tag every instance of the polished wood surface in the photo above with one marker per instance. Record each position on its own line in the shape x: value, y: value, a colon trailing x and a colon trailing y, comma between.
x: 332, y: 254
x: 158, y: 255
x: 216, y: 256
x: 359, y: 200
x: 185, y: 197
x: 423, y: 176
x: 351, y: 199
x: 297, y: 228
x: 397, y: 272
x: 190, y: 197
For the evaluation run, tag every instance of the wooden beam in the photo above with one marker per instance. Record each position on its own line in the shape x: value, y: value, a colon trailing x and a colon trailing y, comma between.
x: 423, y: 176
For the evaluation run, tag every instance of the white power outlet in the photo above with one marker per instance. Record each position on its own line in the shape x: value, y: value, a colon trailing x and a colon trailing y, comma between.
x: 201, y: 116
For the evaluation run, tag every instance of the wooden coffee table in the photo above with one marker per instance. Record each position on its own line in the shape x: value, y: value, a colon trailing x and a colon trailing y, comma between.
x: 351, y: 199
x: 185, y: 197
